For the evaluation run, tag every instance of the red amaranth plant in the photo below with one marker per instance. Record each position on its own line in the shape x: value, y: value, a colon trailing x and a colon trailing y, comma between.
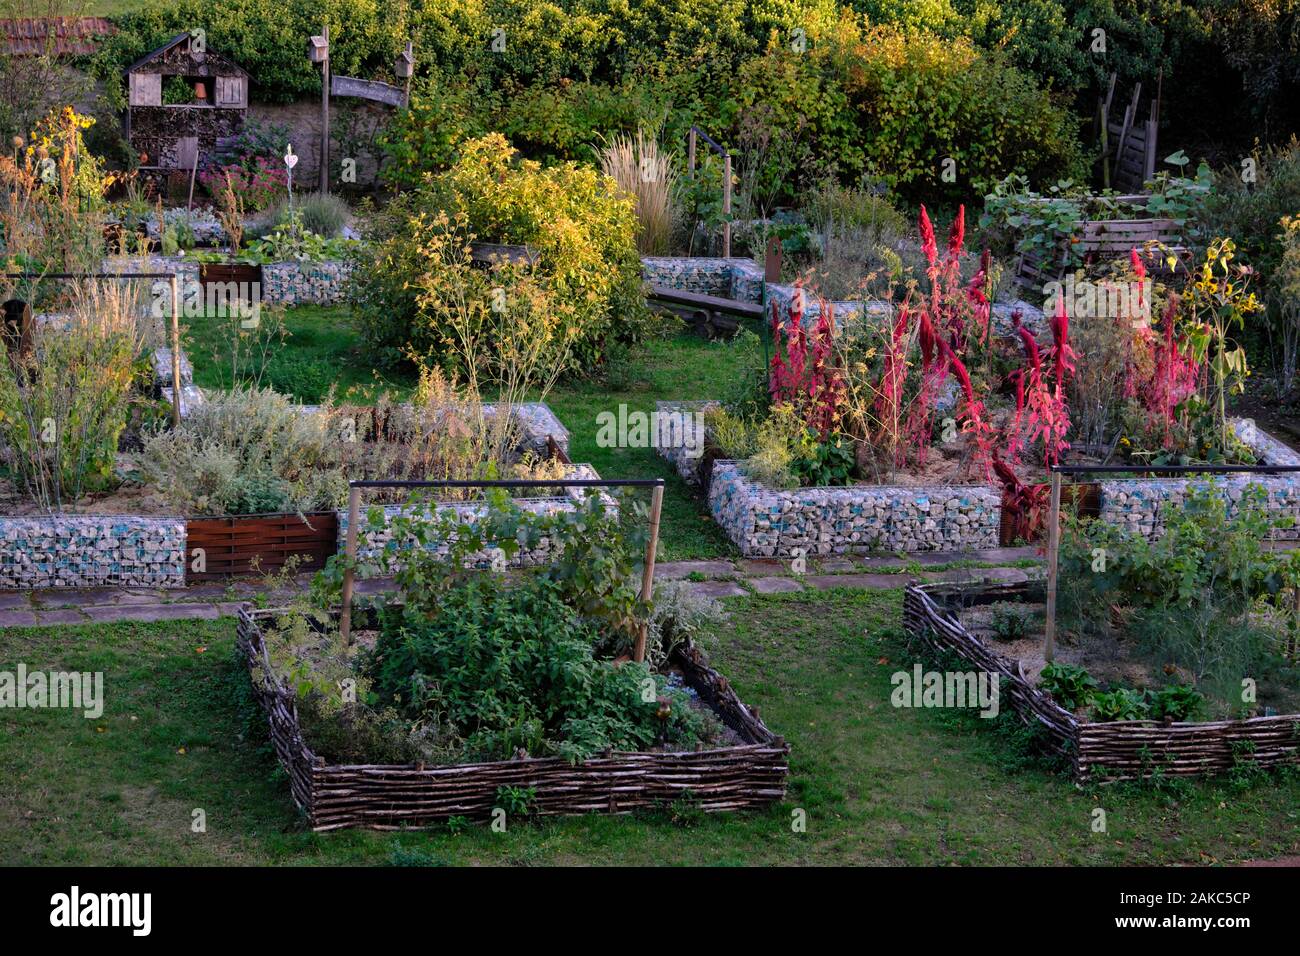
x: 802, y: 373
x: 1174, y: 379
x: 975, y: 424
x: 1049, y: 416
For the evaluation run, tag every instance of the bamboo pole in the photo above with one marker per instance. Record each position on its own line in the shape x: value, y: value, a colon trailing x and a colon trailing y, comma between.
x: 648, y: 576
x: 1053, y: 554
x: 349, y: 557
x: 176, y: 351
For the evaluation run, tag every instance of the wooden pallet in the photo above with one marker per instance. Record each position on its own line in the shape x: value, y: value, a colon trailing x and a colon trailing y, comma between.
x: 231, y: 544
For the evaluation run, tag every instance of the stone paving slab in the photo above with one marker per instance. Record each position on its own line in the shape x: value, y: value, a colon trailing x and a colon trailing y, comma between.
x: 774, y: 585
x: 824, y: 582
x: 17, y: 618
x: 154, y: 612
x: 96, y: 597
x: 764, y: 566
x: 15, y: 599
x: 718, y: 589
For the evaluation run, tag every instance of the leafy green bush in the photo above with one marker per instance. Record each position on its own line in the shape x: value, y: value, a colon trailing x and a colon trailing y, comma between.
x: 1120, y: 704
x: 417, y: 279
x: 1194, y: 598
x: 1070, y: 685
x: 474, y: 665
x: 1010, y: 622
x: 509, y: 669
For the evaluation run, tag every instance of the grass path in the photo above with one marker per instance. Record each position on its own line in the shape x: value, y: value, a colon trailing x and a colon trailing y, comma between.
x: 879, y: 784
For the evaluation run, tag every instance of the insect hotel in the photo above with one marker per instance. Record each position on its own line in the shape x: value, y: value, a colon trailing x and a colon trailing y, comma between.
x: 183, y: 98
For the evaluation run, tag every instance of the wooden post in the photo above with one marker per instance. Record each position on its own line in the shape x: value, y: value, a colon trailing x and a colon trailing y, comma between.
x: 176, y: 351
x: 410, y: 72
x: 1053, y: 554
x: 690, y: 152
x: 325, y: 114
x: 349, y: 555
x: 726, y: 206
x: 194, y: 172
x: 648, y: 577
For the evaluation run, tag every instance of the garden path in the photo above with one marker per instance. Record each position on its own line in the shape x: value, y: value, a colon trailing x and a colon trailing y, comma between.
x: 718, y: 578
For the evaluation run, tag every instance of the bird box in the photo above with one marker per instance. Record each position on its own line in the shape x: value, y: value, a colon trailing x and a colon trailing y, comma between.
x: 405, y: 64
x: 319, y: 49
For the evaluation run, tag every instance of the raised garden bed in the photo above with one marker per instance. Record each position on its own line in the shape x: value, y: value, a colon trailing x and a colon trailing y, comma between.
x: 1102, y: 752
x: 386, y: 797
x: 767, y: 522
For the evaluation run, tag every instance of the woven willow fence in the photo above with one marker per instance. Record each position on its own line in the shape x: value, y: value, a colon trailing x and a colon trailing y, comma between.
x: 1111, y: 751
x: 392, y: 796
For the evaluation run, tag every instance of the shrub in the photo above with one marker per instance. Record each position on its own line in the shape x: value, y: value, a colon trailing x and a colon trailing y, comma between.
x: 64, y: 404
x: 587, y: 273
x: 509, y: 669
x: 261, y: 185
x: 250, y: 448
x: 323, y: 214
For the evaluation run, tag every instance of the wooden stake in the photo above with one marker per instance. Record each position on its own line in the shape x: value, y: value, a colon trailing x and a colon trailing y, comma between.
x: 1053, y: 554
x: 726, y: 206
x: 690, y: 152
x: 325, y: 114
x: 176, y: 352
x: 648, y: 577
x: 349, y: 554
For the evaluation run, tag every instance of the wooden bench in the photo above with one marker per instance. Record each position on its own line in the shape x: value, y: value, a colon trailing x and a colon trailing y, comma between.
x: 708, y: 315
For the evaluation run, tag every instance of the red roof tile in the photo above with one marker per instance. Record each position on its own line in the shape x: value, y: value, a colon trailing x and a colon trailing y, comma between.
x: 65, y: 35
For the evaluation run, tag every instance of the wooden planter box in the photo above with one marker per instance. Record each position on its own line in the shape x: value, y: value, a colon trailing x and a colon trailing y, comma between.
x: 230, y: 544
x: 393, y: 796
x: 240, y: 272
x: 1101, y: 752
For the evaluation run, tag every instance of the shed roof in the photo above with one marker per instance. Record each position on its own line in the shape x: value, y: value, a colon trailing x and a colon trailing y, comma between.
x: 72, y: 36
x: 172, y: 44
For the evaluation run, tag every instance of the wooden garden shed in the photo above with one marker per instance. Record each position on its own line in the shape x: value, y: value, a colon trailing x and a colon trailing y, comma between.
x: 182, y: 98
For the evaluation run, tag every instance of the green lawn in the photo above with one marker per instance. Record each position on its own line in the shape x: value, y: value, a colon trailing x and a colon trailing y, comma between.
x: 879, y: 784
x: 322, y: 349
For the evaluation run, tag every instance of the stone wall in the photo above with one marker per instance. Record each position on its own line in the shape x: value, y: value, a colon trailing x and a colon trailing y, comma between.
x: 305, y: 283
x: 742, y: 279
x: 283, y: 283
x: 765, y: 522
x: 370, y: 544
x: 1136, y: 504
x: 90, y: 551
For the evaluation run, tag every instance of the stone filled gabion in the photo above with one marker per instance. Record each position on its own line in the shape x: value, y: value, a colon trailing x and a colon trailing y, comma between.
x: 1137, y: 505
x: 371, y: 544
x: 765, y: 522
x: 91, y: 551
x: 742, y: 279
